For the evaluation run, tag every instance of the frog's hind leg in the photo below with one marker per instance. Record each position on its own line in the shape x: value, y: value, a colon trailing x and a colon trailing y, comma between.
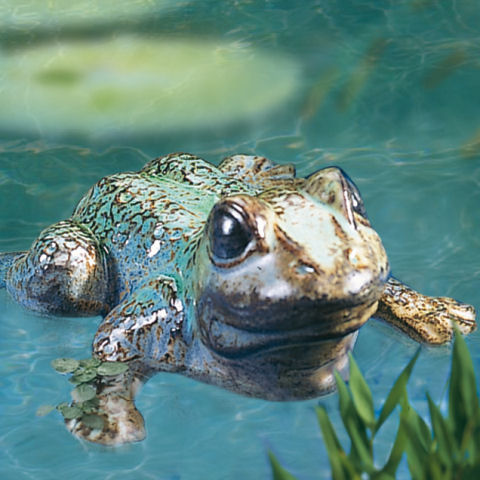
x: 64, y: 273
x: 426, y: 319
x: 7, y: 260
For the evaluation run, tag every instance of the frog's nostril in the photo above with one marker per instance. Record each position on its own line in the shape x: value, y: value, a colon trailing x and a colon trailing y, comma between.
x: 304, y: 269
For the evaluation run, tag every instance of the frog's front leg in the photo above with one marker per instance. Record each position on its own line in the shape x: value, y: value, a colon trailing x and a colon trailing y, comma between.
x: 426, y: 319
x: 64, y: 273
x: 145, y: 331
x: 147, y: 326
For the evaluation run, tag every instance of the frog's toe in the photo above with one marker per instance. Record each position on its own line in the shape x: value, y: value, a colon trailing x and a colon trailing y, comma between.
x: 460, y: 314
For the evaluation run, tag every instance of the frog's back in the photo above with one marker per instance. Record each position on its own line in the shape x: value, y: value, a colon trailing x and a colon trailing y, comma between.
x: 149, y: 221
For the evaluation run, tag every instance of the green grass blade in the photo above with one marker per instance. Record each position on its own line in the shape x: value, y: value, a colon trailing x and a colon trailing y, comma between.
x: 418, y: 441
x: 361, y: 394
x: 443, y: 435
x: 361, y: 452
x: 382, y: 476
x: 397, y: 393
x: 279, y: 473
x: 396, y: 453
x: 463, y: 396
x: 334, y: 448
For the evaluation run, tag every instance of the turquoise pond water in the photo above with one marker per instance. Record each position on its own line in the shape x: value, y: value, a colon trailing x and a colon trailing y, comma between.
x: 386, y: 90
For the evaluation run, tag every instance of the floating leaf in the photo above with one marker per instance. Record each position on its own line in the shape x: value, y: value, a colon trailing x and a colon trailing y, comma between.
x: 91, y: 405
x: 65, y: 365
x: 397, y: 393
x: 231, y: 83
x: 112, y: 368
x: 44, y: 410
x: 75, y: 380
x: 83, y: 393
x: 279, y: 473
x: 85, y: 375
x: 69, y: 413
x: 91, y: 362
x: 95, y: 422
x: 361, y: 394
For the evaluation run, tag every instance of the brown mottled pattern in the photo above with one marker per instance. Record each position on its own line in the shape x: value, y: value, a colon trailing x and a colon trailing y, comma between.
x: 427, y: 319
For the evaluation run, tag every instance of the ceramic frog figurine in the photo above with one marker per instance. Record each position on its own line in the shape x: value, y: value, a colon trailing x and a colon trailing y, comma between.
x: 241, y: 275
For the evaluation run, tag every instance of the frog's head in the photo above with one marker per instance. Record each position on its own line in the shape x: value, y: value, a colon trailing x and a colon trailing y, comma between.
x: 291, y: 270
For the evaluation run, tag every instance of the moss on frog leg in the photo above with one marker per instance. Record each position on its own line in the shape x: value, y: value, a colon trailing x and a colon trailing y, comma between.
x: 426, y: 319
x: 112, y: 418
x: 102, y: 408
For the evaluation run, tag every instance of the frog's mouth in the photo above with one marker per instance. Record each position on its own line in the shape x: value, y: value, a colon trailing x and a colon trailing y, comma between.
x: 316, y: 326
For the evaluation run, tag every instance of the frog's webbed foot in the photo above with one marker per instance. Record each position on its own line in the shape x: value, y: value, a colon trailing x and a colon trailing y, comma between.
x: 426, y: 319
x: 113, y: 418
x: 65, y: 273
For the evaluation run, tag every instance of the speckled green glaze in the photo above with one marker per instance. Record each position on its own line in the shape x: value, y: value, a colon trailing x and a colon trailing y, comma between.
x: 241, y: 275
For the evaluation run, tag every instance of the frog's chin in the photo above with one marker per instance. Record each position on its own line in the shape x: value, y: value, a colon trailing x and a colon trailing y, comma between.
x: 233, y: 342
x: 292, y: 371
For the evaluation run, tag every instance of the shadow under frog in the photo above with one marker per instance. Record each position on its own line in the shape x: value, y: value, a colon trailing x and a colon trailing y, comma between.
x: 241, y: 276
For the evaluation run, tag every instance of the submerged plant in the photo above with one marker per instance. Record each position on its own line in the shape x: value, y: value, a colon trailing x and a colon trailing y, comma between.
x: 449, y: 449
x: 87, y: 375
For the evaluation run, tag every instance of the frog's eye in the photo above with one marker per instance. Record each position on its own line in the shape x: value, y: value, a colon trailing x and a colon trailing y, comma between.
x: 230, y: 235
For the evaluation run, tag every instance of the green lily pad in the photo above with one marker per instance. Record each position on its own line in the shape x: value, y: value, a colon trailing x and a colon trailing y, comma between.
x: 112, y: 368
x: 65, y: 365
x: 84, y: 376
x: 44, y: 410
x: 69, y: 413
x: 83, y: 393
x: 91, y: 406
x: 133, y: 85
x: 90, y: 362
x: 95, y: 422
